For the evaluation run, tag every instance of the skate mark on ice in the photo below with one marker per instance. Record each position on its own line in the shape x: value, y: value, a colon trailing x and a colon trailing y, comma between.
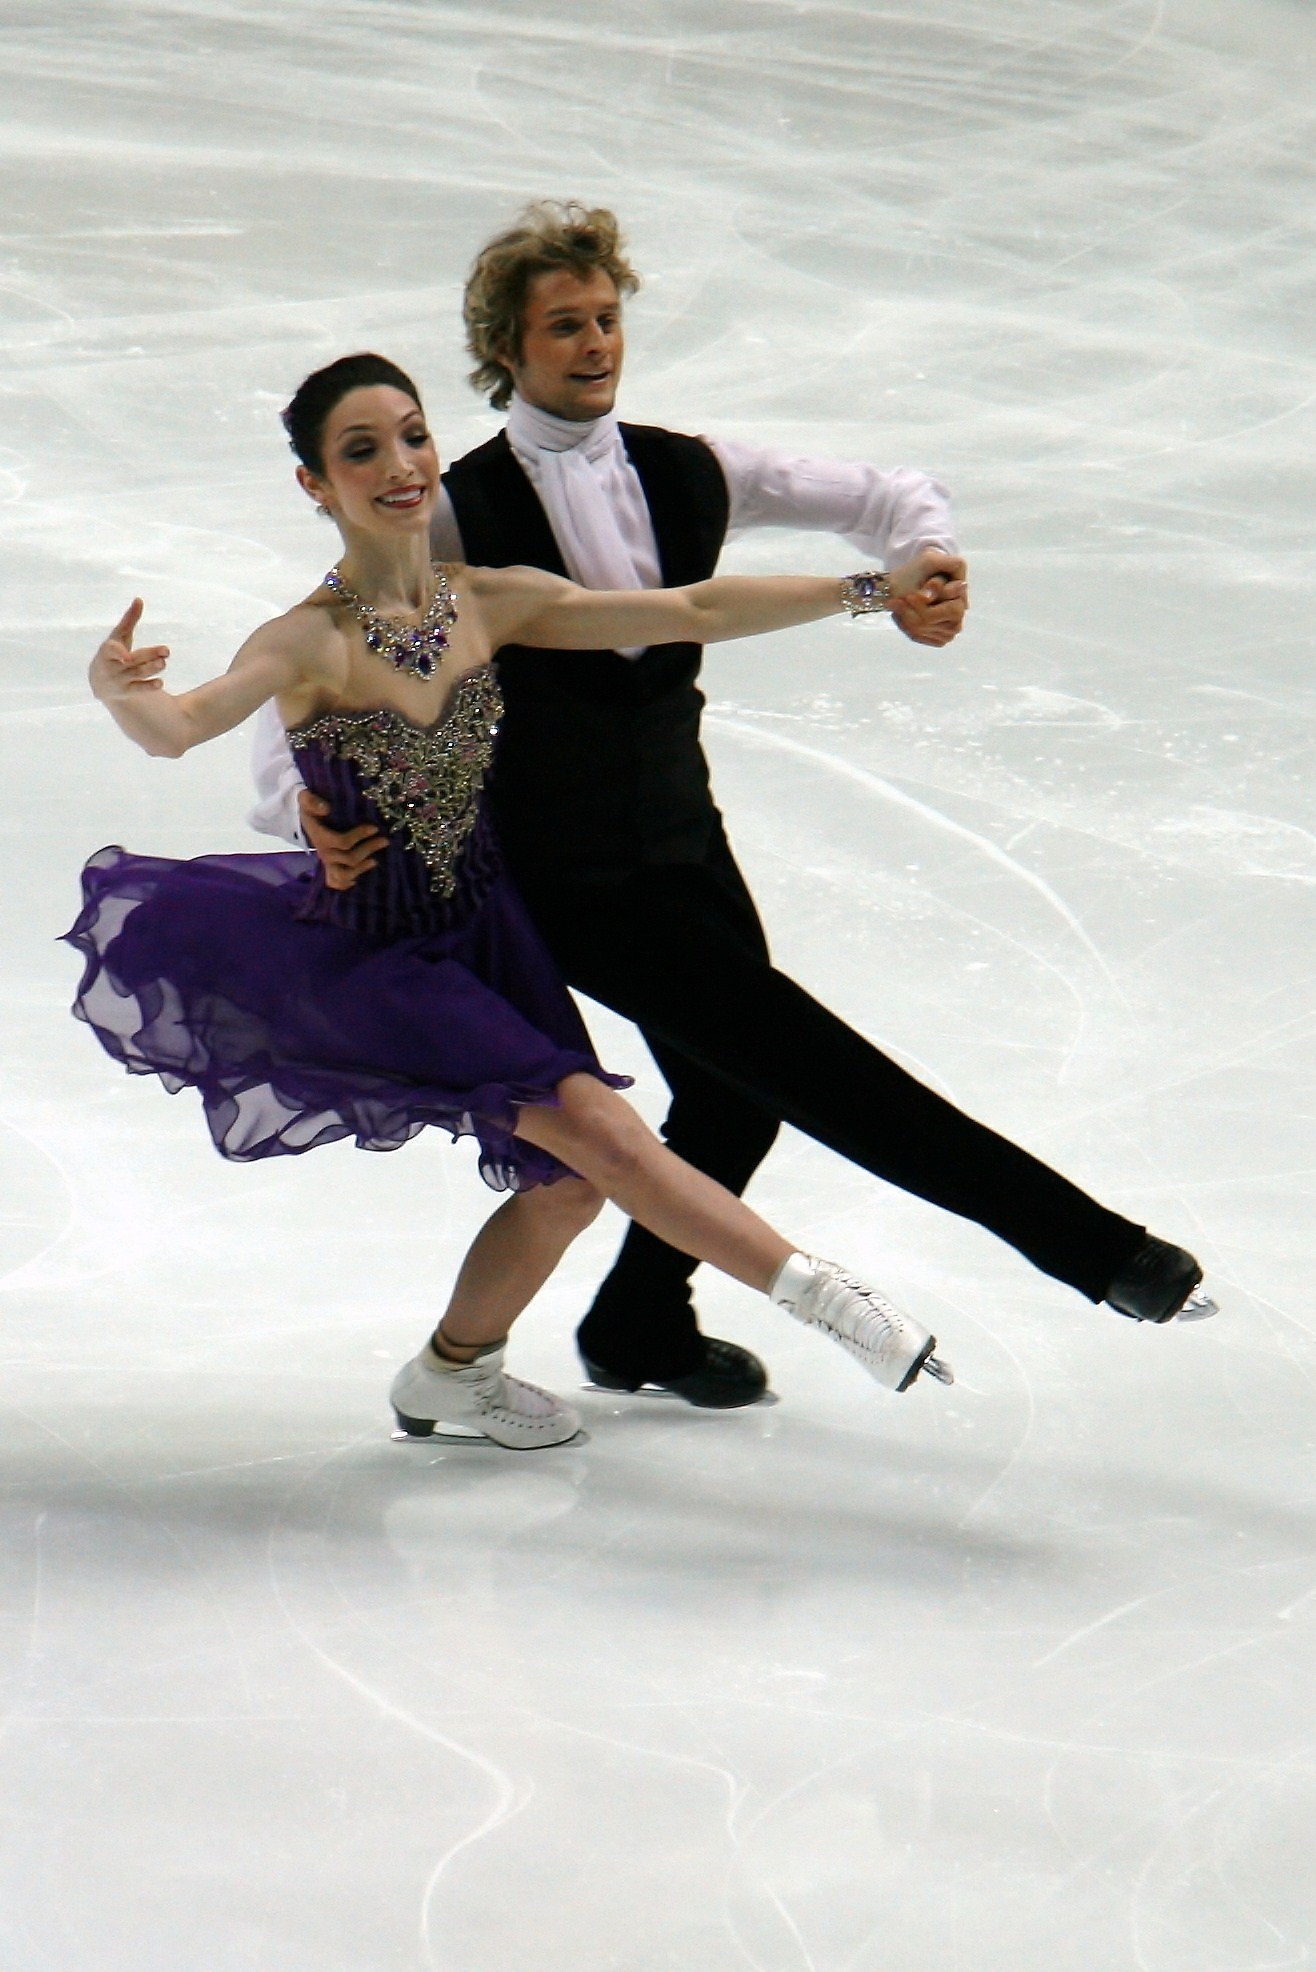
x: 1102, y: 1622
x: 897, y: 798
x: 38, y: 1586
x: 1029, y: 1420
x: 737, y: 1791
x: 1245, y: 1054
x: 961, y: 914
x: 509, y: 1798
x: 1163, y: 1757
x: 206, y: 1594
x: 1291, y: 1609
x: 14, y: 1276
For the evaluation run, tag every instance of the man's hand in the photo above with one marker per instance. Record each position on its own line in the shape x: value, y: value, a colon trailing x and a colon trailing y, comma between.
x: 344, y: 857
x: 933, y: 613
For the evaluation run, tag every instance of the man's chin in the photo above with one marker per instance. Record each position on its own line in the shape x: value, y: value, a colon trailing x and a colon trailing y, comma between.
x: 585, y: 404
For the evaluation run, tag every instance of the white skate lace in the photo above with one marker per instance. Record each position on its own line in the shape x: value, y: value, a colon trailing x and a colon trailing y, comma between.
x: 498, y: 1395
x: 872, y: 1328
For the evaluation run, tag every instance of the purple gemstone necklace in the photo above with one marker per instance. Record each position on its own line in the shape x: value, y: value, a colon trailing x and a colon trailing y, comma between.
x: 416, y: 648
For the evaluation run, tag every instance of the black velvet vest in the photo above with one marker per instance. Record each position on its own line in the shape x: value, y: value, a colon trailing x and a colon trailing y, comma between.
x: 599, y: 769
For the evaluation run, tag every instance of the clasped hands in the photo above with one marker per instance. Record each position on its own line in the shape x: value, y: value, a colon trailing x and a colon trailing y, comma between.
x: 933, y: 613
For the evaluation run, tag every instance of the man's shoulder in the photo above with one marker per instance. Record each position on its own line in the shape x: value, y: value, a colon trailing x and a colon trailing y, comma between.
x: 688, y: 466
x: 489, y: 453
x: 662, y: 435
x: 657, y: 447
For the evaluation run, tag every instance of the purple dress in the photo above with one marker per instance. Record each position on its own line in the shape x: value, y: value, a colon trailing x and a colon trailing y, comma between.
x: 303, y: 1014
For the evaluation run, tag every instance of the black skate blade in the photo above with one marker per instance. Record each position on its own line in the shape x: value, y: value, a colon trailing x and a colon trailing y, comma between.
x: 660, y: 1390
x: 624, y: 1390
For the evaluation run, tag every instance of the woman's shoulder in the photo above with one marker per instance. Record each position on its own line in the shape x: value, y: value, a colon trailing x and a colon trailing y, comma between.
x: 305, y: 644
x: 491, y: 582
x: 315, y: 623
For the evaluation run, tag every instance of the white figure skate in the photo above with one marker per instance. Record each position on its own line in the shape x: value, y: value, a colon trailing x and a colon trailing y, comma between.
x: 478, y: 1400
x: 891, y: 1347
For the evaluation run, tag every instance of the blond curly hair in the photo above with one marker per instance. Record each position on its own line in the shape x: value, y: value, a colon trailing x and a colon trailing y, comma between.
x: 548, y: 235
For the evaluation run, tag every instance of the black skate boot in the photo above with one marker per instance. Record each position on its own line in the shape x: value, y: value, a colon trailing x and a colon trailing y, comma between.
x: 1159, y: 1283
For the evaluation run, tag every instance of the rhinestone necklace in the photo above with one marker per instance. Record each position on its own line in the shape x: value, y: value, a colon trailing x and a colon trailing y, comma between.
x: 415, y: 648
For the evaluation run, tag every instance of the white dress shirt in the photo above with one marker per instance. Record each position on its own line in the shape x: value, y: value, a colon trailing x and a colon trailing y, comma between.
x: 596, y: 508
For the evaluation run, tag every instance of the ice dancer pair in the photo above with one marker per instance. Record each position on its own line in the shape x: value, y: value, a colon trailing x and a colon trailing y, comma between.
x: 423, y: 996
x: 634, y: 886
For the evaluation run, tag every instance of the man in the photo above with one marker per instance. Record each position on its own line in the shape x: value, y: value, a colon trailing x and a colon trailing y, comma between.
x: 607, y: 819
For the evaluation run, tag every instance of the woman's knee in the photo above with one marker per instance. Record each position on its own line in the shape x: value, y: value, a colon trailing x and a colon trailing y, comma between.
x: 568, y: 1204
x: 611, y: 1137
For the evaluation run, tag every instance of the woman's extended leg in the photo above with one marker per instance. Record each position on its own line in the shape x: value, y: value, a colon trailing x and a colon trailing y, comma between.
x: 598, y: 1134
x: 458, y: 1378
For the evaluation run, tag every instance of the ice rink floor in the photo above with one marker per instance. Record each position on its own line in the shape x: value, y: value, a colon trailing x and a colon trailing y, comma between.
x: 1016, y: 1677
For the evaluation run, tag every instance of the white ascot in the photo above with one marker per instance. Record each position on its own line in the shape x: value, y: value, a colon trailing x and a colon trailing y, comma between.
x: 592, y: 496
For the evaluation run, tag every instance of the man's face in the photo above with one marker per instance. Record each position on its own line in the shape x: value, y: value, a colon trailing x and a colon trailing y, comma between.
x: 571, y: 345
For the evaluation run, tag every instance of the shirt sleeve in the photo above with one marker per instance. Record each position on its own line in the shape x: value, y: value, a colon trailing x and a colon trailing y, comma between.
x: 887, y: 516
x: 277, y: 781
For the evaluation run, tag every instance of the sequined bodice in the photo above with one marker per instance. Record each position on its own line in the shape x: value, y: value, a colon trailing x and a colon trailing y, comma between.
x: 423, y: 787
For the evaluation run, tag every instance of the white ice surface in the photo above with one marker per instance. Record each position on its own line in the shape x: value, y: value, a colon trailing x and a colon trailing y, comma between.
x: 1012, y: 1678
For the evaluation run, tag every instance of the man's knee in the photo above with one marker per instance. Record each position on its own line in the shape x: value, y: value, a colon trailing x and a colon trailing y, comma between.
x: 715, y: 1127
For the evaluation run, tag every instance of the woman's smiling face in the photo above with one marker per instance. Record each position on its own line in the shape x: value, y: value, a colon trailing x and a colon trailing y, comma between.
x: 381, y: 470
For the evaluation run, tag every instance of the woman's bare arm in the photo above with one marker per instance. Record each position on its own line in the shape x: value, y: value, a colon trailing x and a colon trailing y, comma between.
x: 278, y: 657
x: 526, y: 606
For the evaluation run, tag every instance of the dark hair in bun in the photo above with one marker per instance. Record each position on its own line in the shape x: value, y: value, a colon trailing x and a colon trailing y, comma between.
x: 313, y: 400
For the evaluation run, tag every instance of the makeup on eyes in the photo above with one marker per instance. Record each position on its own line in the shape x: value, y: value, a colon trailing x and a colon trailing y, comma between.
x: 360, y: 449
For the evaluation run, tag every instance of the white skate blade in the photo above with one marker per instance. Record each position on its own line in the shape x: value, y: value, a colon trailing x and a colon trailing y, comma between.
x: 450, y: 1438
x: 454, y: 1434
x: 443, y: 1434
x: 940, y: 1372
x: 1199, y: 1307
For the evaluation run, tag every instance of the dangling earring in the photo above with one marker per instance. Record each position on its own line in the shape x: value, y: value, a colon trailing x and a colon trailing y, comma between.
x: 322, y: 510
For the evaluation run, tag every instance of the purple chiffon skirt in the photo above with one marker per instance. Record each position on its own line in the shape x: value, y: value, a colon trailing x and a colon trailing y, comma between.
x: 297, y: 1033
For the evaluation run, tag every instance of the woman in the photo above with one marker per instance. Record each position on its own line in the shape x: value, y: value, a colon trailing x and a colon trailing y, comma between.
x: 423, y: 996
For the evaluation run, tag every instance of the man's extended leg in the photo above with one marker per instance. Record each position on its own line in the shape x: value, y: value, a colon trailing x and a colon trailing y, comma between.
x: 660, y: 950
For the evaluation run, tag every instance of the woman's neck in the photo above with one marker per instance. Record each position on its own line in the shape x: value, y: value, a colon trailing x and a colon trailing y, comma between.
x: 393, y: 575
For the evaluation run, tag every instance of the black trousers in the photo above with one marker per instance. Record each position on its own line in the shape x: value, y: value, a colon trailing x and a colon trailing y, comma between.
x: 679, y: 950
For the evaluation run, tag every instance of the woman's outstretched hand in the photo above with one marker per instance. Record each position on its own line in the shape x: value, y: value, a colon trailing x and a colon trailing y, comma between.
x: 118, y: 672
x: 931, y: 596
